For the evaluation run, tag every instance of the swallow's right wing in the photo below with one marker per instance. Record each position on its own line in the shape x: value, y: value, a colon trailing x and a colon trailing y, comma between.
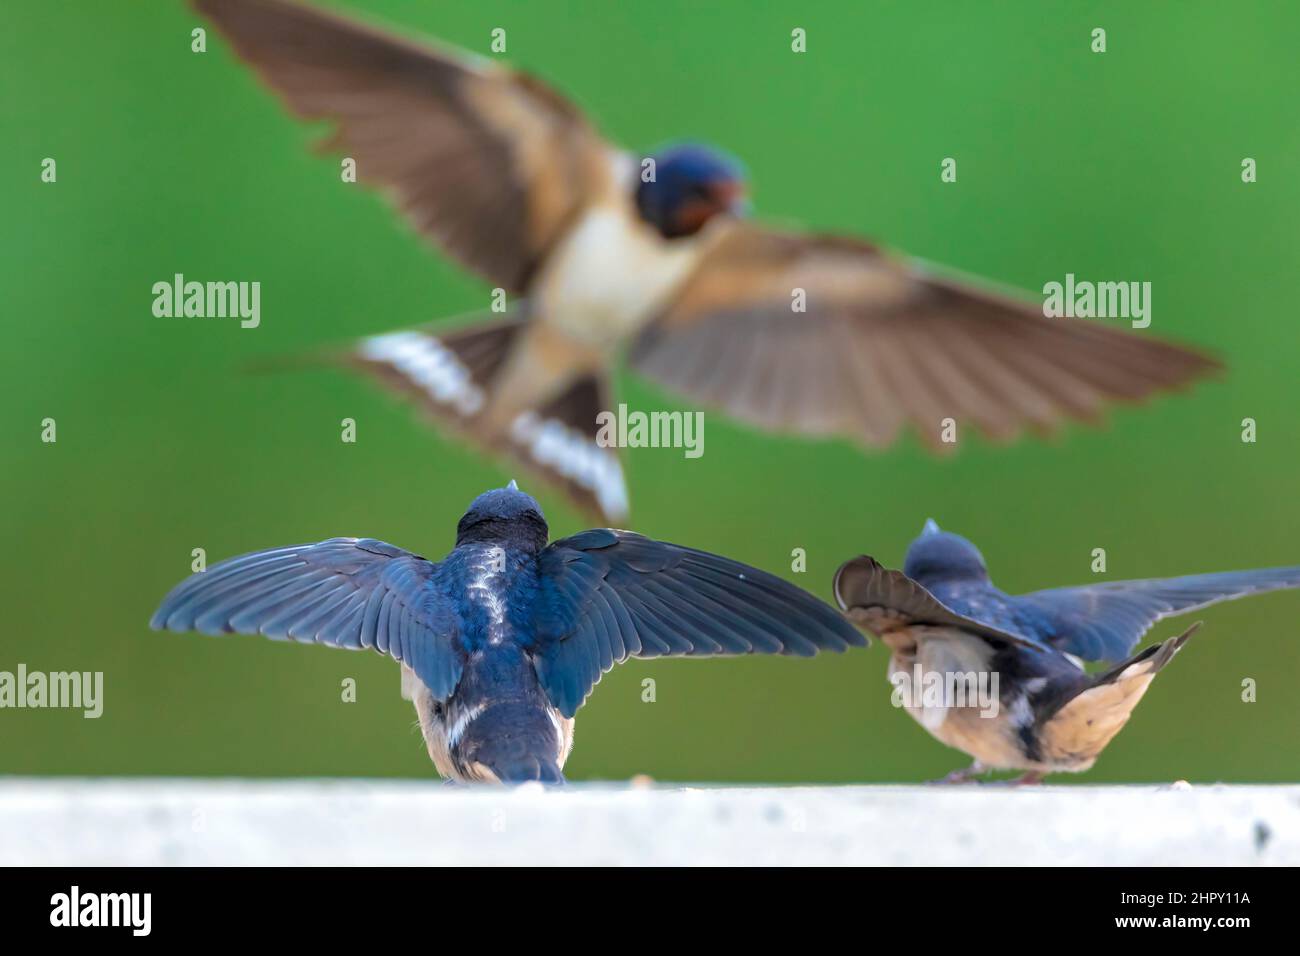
x: 609, y: 595
x: 344, y: 592
x: 489, y: 163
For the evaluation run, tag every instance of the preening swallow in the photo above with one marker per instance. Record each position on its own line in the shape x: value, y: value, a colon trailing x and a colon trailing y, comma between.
x: 946, y: 623
x: 503, y: 639
x: 602, y: 249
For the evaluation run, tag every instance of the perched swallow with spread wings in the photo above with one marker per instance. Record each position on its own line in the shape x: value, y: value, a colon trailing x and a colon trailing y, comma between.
x: 503, y: 639
x: 950, y: 629
x: 603, y: 249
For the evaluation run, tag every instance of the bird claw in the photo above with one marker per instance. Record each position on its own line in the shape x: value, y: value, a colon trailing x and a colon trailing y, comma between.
x: 968, y: 775
x: 964, y: 775
x: 1030, y: 779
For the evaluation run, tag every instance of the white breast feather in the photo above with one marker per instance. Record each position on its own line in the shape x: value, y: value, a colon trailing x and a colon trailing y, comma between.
x: 611, y: 275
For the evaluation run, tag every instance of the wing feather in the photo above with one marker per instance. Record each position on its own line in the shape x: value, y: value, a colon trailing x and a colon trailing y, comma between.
x: 344, y: 592
x: 608, y: 595
x: 489, y: 163
x: 885, y: 342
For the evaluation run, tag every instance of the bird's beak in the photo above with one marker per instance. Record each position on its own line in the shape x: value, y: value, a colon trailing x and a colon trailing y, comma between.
x: 733, y: 196
x: 930, y: 527
x: 512, y: 486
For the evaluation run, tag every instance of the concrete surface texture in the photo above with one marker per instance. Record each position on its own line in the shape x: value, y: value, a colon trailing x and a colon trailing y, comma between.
x: 181, y: 821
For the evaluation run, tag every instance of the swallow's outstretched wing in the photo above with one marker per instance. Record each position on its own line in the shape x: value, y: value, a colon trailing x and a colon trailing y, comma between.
x: 864, y: 586
x: 1105, y: 621
x: 609, y: 595
x: 881, y: 343
x: 344, y: 592
x: 489, y: 163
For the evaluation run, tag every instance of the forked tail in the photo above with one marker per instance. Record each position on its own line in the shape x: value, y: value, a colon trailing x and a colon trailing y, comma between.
x: 449, y: 374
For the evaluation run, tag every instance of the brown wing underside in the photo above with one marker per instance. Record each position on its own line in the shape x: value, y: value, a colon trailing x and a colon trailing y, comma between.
x: 863, y: 584
x: 881, y: 345
x: 489, y: 163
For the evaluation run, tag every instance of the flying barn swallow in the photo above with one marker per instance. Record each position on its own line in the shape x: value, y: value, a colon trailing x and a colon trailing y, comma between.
x: 501, y: 641
x: 513, y: 181
x: 943, y: 614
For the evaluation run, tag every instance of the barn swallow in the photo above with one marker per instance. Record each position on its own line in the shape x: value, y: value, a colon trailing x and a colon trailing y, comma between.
x: 502, y: 641
x: 946, y: 623
x: 602, y: 251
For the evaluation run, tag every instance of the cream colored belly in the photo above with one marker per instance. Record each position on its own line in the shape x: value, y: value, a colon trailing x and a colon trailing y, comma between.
x: 990, y: 738
x: 610, y: 276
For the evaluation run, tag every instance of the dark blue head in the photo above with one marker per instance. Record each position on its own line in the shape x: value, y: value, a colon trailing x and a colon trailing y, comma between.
x: 691, y: 185
x: 504, y: 516
x: 943, y: 556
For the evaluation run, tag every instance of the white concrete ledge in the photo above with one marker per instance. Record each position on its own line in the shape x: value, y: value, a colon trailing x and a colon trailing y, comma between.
x: 136, y: 822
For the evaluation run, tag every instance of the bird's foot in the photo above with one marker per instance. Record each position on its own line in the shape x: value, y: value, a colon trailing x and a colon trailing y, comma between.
x: 1029, y: 779
x: 964, y: 775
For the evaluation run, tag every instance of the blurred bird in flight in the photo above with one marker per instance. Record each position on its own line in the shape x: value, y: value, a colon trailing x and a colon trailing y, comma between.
x: 601, y: 250
x: 943, y: 618
x: 503, y: 639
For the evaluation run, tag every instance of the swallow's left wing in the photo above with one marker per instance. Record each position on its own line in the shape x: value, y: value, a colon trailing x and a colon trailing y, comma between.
x: 609, y: 595
x: 344, y: 592
x: 863, y: 587
x: 824, y: 335
x: 1105, y: 621
x: 490, y: 163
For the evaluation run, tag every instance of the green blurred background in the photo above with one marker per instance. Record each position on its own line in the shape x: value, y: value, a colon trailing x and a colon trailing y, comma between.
x: 1124, y: 165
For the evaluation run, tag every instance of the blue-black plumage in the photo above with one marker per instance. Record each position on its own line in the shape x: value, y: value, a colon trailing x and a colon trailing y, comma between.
x: 503, y: 639
x: 691, y: 183
x: 947, y: 624
x: 1102, y: 621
